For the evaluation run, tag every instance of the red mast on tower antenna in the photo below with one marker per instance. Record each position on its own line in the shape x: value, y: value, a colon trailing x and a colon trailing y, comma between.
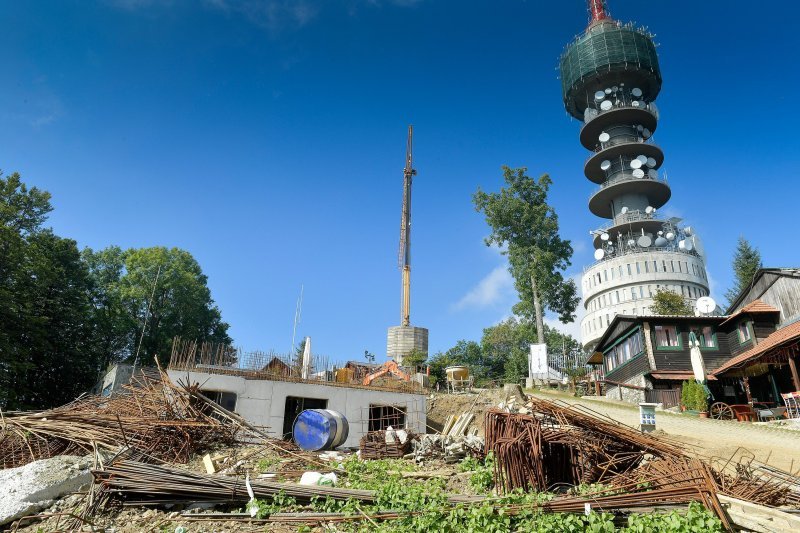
x: 598, y: 10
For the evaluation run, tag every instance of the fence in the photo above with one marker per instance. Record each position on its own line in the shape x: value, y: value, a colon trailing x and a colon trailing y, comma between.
x: 667, y: 397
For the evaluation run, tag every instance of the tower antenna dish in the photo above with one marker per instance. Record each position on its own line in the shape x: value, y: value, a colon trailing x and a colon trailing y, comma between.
x: 705, y: 305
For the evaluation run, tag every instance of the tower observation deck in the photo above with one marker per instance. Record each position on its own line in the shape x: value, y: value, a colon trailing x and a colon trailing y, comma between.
x: 610, y: 80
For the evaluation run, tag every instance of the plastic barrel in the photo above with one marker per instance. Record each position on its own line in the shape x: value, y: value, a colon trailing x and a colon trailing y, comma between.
x: 320, y: 429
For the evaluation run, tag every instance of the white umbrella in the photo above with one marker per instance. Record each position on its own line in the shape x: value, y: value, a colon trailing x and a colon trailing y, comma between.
x: 698, y: 365
x: 306, y: 361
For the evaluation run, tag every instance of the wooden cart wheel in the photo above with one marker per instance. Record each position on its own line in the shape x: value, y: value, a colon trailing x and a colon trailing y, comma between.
x: 721, y: 411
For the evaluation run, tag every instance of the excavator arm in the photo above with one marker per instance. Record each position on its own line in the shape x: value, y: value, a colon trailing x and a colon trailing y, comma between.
x: 389, y: 367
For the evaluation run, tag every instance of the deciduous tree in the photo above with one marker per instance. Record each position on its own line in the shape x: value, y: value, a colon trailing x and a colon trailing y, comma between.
x: 667, y: 302
x: 525, y: 227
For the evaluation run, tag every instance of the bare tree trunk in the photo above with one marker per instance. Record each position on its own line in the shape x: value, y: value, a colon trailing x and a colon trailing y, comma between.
x: 537, y: 308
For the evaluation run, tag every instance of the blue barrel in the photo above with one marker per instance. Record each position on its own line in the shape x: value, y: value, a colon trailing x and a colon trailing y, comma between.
x: 320, y: 429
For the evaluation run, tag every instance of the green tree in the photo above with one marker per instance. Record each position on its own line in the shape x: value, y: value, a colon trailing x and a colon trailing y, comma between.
x: 463, y: 353
x: 47, y: 354
x: 168, y: 281
x: 414, y: 358
x: 746, y: 263
x: 525, y: 227
x: 667, y: 302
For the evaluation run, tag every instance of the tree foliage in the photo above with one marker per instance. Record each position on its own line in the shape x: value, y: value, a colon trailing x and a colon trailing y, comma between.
x: 66, y: 314
x: 667, y: 302
x: 525, y: 227
x: 502, y: 353
x: 746, y: 263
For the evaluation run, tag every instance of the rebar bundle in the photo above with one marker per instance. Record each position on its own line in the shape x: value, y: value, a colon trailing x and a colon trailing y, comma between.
x: 154, y: 418
x: 559, y: 445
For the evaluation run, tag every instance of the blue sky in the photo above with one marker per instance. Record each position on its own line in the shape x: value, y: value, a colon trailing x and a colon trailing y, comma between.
x: 267, y: 137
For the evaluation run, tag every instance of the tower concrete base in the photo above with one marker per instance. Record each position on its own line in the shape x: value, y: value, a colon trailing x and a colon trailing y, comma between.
x: 401, y: 340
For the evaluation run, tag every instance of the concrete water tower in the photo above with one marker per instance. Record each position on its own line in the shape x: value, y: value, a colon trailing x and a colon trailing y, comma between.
x: 610, y: 80
x: 405, y: 338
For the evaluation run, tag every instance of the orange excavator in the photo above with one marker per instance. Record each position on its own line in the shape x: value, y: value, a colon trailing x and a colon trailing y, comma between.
x: 389, y: 367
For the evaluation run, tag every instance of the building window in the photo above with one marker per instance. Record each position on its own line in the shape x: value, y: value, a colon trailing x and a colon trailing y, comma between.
x: 620, y: 271
x: 655, y: 266
x: 384, y: 416
x: 646, y: 267
x: 226, y: 400
x: 667, y: 337
x: 687, y: 266
x: 744, y: 332
x: 605, y: 274
x: 638, y: 271
x: 680, y: 269
x: 705, y: 335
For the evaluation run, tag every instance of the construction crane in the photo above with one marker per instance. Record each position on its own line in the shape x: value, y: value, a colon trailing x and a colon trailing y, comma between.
x: 404, y: 256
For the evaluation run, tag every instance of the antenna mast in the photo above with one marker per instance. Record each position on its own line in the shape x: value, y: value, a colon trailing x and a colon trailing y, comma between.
x: 404, y: 259
x: 598, y: 11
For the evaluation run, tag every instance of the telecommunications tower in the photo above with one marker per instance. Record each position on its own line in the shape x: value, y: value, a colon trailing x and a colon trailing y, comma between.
x: 610, y: 80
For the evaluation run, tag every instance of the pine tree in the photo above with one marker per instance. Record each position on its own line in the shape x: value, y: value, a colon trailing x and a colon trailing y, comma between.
x: 746, y: 262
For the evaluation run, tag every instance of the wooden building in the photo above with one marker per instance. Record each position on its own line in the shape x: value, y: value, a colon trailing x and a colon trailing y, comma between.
x: 778, y: 287
x: 647, y: 358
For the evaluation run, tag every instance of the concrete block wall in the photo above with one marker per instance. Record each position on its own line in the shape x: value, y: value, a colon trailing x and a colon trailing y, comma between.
x: 262, y: 402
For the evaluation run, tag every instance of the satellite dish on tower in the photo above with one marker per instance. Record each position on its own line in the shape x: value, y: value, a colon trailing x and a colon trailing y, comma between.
x: 637, y: 92
x: 649, y: 210
x: 644, y: 241
x: 661, y: 241
x: 599, y: 254
x: 604, y: 236
x: 604, y: 137
x: 705, y: 305
x: 605, y: 165
x: 635, y: 103
x: 623, y: 210
x: 688, y: 230
x: 651, y: 162
x: 638, y: 173
x: 670, y: 236
x: 606, y: 105
x: 642, y: 159
x: 646, y: 133
x: 636, y: 163
x: 653, y: 173
x: 608, y: 90
x: 599, y: 95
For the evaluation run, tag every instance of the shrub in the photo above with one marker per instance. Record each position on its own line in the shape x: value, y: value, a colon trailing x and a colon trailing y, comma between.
x: 693, y: 395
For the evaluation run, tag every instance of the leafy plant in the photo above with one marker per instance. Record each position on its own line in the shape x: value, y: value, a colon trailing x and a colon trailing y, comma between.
x: 694, y: 395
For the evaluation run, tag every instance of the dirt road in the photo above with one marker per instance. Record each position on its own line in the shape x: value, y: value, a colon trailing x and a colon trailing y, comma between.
x: 773, y: 445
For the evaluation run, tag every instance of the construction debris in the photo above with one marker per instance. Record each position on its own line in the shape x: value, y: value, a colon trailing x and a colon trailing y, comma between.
x: 385, y: 444
x: 35, y: 486
x: 159, y: 420
x: 560, y: 444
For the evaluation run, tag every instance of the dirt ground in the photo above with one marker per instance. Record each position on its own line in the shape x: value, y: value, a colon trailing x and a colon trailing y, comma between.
x: 442, y: 405
x: 717, y: 439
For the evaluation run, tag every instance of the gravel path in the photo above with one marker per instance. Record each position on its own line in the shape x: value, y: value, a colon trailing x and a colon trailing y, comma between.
x: 771, y: 444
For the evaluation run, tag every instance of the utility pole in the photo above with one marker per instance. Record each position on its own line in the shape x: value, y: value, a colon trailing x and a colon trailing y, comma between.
x: 405, y: 233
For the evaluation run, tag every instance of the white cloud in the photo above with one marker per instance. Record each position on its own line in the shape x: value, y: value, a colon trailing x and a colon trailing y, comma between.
x: 493, y: 289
